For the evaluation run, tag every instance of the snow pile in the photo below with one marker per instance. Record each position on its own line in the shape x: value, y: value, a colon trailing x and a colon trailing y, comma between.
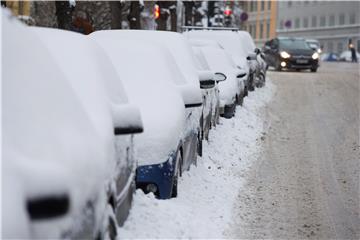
x: 207, y: 192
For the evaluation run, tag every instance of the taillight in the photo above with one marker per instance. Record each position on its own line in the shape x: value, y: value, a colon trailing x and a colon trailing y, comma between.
x: 156, y: 11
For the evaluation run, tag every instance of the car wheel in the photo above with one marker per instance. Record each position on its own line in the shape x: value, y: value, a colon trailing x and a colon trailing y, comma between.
x: 251, y: 83
x: 199, y: 146
x: 177, y: 174
x: 110, y: 226
x: 278, y: 66
x: 246, y: 92
x: 313, y: 69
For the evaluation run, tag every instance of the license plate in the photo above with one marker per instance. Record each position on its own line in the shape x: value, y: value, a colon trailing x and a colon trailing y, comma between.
x: 302, y: 61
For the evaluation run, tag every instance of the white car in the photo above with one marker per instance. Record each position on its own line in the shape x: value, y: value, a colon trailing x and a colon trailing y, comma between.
x: 231, y: 43
x: 197, y: 122
x: 257, y: 61
x: 212, y: 102
x: 148, y: 72
x: 59, y: 138
x: 231, y: 90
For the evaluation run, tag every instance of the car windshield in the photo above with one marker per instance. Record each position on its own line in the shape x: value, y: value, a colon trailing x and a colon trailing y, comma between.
x: 313, y: 45
x: 293, y: 44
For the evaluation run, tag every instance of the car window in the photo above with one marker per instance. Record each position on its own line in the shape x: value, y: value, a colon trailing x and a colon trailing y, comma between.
x: 294, y: 44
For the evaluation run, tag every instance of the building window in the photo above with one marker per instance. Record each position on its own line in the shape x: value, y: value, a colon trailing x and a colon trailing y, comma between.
x: 297, y: 23
x: 289, y: 3
x: 269, y: 5
x: 254, y: 35
x: 352, y: 18
x: 342, y: 19
x: 262, y: 5
x: 250, y: 30
x: 261, y: 31
x: 332, y: 20
x: 340, y: 47
x: 313, y: 21
x: 268, y: 30
x: 306, y: 23
x: 322, y: 21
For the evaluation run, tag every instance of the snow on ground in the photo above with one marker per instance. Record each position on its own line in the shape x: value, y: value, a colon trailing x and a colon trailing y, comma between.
x: 207, y: 193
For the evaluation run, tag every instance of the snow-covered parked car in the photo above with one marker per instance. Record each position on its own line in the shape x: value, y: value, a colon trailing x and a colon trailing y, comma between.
x: 197, y: 122
x: 346, y: 56
x: 231, y: 43
x: 60, y: 138
x: 214, y: 100
x: 148, y: 71
x: 231, y: 90
x: 257, y: 62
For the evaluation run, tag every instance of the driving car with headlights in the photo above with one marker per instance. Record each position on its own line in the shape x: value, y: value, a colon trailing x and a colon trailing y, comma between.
x: 290, y: 53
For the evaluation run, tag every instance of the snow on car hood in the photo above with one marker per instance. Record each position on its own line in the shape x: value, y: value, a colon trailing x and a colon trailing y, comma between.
x: 45, y: 117
x: 144, y: 69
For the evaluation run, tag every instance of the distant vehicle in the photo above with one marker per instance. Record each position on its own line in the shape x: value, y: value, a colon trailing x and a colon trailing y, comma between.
x: 345, y: 56
x: 153, y: 81
x: 290, y: 53
x: 67, y: 147
x: 329, y: 57
x: 314, y: 44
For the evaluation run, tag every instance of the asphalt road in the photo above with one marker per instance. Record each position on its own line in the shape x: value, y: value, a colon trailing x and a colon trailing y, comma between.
x: 306, y: 184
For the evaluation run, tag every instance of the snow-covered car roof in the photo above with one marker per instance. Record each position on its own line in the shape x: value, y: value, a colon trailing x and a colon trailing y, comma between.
x: 49, y: 130
x: 175, y: 43
x: 146, y: 69
x: 247, y: 40
x: 203, y: 42
x: 229, y: 40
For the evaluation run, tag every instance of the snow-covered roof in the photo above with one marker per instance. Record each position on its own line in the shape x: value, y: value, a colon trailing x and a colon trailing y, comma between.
x: 146, y: 70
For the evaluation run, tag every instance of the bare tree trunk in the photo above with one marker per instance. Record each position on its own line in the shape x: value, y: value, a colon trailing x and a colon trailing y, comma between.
x: 134, y: 15
x: 63, y: 14
x: 173, y: 17
x: 116, y: 16
x: 188, y: 12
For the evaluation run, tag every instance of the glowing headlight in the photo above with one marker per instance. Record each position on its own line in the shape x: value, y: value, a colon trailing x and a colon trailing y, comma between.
x: 319, y: 50
x: 315, y: 56
x: 284, y: 54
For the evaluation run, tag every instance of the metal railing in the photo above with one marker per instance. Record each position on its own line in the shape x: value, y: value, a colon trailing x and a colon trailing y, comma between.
x: 187, y: 28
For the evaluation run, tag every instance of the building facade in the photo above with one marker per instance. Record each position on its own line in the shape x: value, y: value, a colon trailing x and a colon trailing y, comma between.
x: 262, y: 20
x: 333, y: 23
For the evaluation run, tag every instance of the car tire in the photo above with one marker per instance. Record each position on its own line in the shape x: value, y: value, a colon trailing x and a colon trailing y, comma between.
x: 313, y: 69
x: 199, y: 146
x: 110, y: 229
x: 278, y: 66
x: 251, y: 83
x: 177, y: 174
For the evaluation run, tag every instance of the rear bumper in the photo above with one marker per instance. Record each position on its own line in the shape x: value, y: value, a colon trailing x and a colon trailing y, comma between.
x: 162, y: 175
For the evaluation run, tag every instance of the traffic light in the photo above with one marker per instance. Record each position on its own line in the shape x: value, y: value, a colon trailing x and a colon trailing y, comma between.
x: 227, y: 11
x: 156, y: 11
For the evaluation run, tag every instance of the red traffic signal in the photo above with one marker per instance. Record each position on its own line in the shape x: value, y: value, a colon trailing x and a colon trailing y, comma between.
x: 227, y: 11
x: 156, y: 11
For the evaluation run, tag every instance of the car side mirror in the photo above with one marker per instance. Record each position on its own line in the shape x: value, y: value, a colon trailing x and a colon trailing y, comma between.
x: 206, y: 79
x: 252, y: 56
x: 127, y: 119
x: 257, y: 51
x: 219, y: 77
x: 191, y: 95
x: 240, y: 73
